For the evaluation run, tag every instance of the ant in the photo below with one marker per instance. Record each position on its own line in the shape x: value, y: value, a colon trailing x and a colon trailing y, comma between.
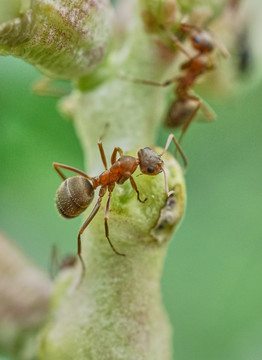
x: 185, y: 106
x: 57, y: 263
x: 76, y: 193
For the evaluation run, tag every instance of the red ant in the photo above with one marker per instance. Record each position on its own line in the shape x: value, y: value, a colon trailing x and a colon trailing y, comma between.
x: 185, y: 106
x: 76, y: 193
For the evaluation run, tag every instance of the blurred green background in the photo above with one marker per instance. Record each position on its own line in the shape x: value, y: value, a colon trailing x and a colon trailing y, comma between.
x: 212, y: 284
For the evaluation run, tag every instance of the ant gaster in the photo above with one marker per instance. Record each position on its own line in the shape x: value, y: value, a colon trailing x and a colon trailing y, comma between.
x: 185, y: 106
x: 76, y: 193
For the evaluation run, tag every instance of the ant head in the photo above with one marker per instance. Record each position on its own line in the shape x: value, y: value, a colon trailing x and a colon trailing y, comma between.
x: 202, y: 41
x: 149, y: 161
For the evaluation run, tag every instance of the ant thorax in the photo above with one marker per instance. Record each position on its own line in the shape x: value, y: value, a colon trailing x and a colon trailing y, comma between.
x: 150, y: 162
x: 127, y: 165
x: 119, y: 172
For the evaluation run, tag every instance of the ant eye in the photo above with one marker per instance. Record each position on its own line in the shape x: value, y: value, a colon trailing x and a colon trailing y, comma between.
x: 196, y: 40
x: 150, y: 170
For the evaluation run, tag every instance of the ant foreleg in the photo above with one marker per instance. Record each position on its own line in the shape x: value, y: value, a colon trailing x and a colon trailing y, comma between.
x: 188, y: 28
x: 106, y: 224
x: 178, y: 147
x: 177, y: 43
x: 70, y: 168
x: 132, y: 181
x: 114, y: 153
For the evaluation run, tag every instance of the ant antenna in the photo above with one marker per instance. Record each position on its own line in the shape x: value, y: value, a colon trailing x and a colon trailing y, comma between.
x: 106, y: 127
x: 168, y: 193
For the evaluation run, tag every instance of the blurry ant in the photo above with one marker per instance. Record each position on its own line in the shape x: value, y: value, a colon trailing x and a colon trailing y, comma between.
x: 57, y: 263
x: 185, y: 106
x: 244, y: 52
x: 76, y: 193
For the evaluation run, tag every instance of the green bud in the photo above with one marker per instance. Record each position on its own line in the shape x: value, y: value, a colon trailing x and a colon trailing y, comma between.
x: 158, y: 13
x: 62, y: 38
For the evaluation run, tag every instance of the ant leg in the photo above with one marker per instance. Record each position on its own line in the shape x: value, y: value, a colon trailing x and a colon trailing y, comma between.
x: 207, y: 111
x: 178, y: 44
x: 45, y: 86
x: 106, y: 224
x: 114, y: 153
x: 185, y: 127
x: 178, y: 147
x: 219, y: 44
x: 147, y: 82
x: 70, y: 168
x: 102, y: 153
x: 132, y: 181
x: 83, y: 227
x: 187, y: 28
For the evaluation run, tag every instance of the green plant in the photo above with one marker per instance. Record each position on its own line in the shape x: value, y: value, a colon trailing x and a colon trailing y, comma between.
x: 117, y: 310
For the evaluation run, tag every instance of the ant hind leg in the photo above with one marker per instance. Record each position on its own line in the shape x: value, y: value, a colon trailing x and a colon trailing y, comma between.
x: 106, y: 224
x: 82, y: 229
x: 69, y: 168
x: 191, y: 118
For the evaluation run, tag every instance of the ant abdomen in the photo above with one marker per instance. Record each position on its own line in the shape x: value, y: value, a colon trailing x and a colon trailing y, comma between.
x: 73, y: 196
x: 181, y: 112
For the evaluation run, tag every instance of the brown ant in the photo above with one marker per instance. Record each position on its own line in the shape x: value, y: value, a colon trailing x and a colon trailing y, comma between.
x: 76, y: 193
x: 57, y: 263
x: 185, y: 106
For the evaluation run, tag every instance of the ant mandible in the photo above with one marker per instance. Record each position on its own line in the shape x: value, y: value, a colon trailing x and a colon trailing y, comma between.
x: 185, y: 106
x: 76, y: 193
